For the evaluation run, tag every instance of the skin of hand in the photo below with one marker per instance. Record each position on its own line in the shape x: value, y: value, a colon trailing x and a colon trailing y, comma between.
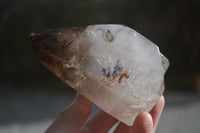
x: 73, y: 119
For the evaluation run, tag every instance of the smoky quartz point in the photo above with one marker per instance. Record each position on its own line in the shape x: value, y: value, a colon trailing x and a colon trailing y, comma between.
x: 114, y: 66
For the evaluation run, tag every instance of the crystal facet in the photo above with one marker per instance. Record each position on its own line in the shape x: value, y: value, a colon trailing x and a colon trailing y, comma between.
x: 114, y: 66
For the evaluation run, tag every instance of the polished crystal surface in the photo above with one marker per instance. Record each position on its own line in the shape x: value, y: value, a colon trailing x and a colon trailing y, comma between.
x: 114, y: 66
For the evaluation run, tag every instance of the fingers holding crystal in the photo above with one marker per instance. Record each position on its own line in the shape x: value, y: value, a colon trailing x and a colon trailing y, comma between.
x: 123, y: 128
x: 143, y: 123
x: 73, y: 117
x: 156, y: 111
x: 101, y: 123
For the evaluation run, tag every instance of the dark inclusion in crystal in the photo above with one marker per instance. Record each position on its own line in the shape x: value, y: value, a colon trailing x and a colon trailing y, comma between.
x: 110, y: 78
x: 108, y: 36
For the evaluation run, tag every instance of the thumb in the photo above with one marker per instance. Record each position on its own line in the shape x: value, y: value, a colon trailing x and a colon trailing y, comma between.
x: 73, y: 117
x: 143, y: 123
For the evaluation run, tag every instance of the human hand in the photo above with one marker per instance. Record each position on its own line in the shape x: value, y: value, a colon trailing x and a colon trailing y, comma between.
x: 73, y: 119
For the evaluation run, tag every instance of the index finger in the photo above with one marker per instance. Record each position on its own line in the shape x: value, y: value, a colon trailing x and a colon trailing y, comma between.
x: 156, y: 111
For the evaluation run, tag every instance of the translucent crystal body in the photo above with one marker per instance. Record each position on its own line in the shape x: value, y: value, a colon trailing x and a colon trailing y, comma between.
x: 114, y: 66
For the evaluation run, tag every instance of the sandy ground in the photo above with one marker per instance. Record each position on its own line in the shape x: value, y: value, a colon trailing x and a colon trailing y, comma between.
x: 32, y: 112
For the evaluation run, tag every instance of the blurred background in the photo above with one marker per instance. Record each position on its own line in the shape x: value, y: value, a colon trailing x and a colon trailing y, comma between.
x: 31, y: 96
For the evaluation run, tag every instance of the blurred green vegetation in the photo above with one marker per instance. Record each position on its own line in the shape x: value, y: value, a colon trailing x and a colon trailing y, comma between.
x: 172, y: 24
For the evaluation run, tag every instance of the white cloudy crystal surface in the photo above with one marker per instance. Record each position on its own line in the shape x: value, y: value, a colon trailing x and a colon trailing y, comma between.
x: 114, y: 66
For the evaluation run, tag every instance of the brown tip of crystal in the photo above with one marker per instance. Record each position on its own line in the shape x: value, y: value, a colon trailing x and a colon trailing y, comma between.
x: 32, y: 34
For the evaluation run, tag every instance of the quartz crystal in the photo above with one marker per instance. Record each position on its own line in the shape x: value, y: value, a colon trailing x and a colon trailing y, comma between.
x: 114, y: 66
